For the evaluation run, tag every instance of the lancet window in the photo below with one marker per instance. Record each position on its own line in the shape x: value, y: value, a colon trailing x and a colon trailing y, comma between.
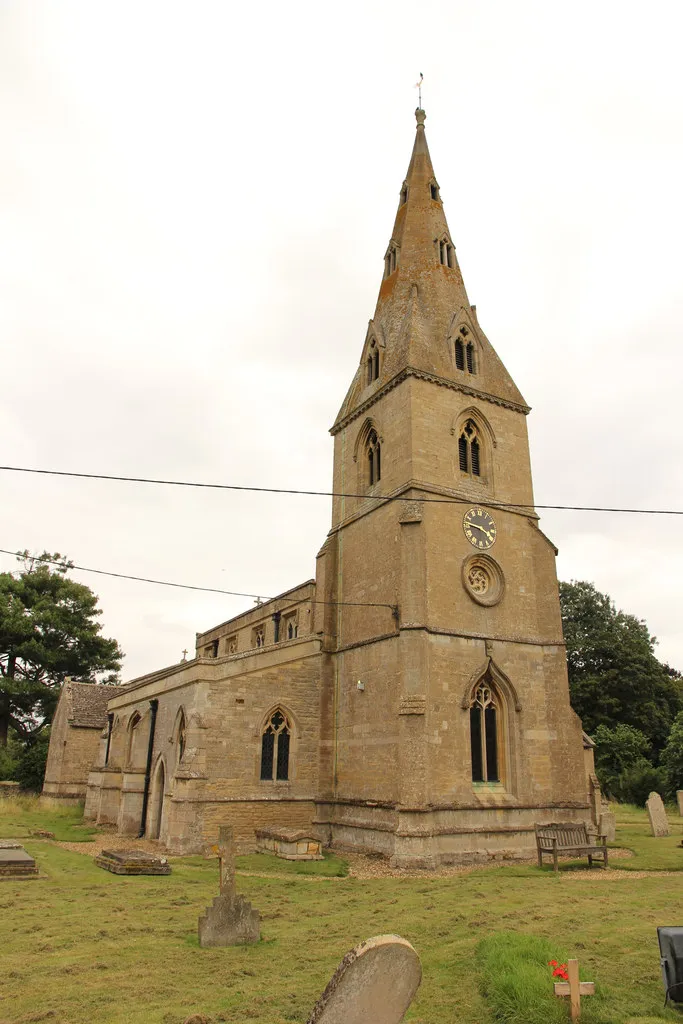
x: 484, y: 733
x: 446, y: 252
x: 391, y: 260
x: 181, y: 737
x: 275, y: 748
x: 373, y: 362
x: 259, y: 636
x: 469, y: 450
x: 465, y: 355
x: 373, y: 457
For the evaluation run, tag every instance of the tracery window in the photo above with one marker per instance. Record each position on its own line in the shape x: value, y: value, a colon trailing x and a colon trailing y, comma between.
x: 469, y: 450
x: 292, y: 629
x: 484, y: 729
x: 259, y: 636
x: 275, y: 748
x: 373, y: 456
x: 373, y: 362
x: 231, y: 645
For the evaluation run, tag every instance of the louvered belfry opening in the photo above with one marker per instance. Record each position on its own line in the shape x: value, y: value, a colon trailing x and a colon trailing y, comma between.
x: 275, y: 748
x: 484, y: 734
x: 469, y: 450
x: 459, y: 355
x: 470, y: 358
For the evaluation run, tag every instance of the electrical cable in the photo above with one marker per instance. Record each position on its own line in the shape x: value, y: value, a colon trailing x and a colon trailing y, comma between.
x: 338, y: 494
x: 187, y: 586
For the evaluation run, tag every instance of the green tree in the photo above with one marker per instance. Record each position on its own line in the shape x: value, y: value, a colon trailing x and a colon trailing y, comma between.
x: 48, y: 631
x: 616, y: 751
x: 614, y: 676
x: 672, y: 756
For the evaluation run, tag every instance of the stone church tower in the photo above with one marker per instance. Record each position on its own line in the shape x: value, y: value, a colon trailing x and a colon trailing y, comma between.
x: 447, y: 729
x: 411, y: 700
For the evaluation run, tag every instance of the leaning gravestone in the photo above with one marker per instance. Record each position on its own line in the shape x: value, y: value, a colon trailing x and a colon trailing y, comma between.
x: 15, y: 862
x: 679, y: 797
x: 132, y: 862
x: 657, y: 815
x: 374, y: 984
x: 230, y: 920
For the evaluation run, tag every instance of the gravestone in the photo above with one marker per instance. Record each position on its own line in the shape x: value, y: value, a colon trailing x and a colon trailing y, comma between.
x: 374, y: 984
x: 15, y: 862
x: 132, y: 862
x: 657, y: 815
x: 608, y: 825
x: 230, y: 920
x: 679, y: 798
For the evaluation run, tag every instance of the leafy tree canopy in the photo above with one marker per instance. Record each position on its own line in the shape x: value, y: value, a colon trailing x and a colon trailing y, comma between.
x: 48, y: 631
x: 614, y: 676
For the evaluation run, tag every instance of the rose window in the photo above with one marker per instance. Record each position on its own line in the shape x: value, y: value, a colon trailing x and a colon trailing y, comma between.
x: 478, y: 579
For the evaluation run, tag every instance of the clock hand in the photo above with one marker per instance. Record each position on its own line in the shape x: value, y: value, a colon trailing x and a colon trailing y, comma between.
x: 477, y: 527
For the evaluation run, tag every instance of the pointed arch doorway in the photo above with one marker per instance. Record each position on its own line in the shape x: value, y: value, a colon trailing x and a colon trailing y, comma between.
x: 157, y: 801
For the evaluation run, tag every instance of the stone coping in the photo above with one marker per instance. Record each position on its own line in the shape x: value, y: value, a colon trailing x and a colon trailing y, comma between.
x: 287, y: 835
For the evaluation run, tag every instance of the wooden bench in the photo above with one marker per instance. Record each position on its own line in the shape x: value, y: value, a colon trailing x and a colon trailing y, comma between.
x: 566, y: 839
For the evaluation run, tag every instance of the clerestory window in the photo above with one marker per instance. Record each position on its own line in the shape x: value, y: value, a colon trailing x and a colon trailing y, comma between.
x: 469, y: 450
x: 275, y: 748
x: 259, y: 636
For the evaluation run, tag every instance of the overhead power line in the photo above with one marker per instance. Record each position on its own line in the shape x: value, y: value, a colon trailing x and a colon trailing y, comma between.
x: 338, y: 494
x: 187, y: 586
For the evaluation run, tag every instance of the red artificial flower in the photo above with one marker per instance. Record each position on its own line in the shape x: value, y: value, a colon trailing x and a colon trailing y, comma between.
x: 552, y: 963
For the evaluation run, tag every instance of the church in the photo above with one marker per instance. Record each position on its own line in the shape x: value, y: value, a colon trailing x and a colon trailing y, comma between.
x: 412, y: 699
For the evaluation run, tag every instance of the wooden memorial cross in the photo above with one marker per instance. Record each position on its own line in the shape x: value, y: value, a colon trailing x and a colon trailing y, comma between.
x: 224, y: 849
x: 574, y: 989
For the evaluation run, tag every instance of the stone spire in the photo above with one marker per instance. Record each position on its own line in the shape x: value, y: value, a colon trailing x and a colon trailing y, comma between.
x: 422, y: 302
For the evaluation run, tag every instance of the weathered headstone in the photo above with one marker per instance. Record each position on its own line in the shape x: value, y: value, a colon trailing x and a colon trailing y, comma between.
x: 608, y: 825
x: 375, y: 982
x: 679, y: 798
x: 15, y: 862
x: 230, y: 920
x: 132, y: 862
x: 657, y: 815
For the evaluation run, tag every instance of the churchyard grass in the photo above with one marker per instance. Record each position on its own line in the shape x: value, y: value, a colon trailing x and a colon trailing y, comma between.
x: 21, y: 813
x: 105, y: 949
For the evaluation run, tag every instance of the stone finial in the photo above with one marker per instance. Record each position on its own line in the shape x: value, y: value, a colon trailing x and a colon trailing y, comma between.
x: 420, y: 116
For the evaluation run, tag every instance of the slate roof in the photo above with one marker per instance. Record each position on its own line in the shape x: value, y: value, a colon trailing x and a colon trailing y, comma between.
x: 86, y: 704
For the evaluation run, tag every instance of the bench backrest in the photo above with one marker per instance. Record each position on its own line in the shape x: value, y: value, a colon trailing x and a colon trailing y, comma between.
x: 569, y: 833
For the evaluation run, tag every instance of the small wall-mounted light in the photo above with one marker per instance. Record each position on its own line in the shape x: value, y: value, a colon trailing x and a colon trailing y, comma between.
x: 360, y: 685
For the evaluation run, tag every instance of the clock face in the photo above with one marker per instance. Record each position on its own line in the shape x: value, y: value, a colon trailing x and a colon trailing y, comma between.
x: 479, y: 528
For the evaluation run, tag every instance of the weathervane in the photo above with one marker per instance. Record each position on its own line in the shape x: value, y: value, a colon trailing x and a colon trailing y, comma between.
x: 418, y: 86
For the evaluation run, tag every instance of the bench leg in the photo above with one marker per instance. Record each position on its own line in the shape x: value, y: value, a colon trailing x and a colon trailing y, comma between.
x: 540, y: 858
x: 590, y: 860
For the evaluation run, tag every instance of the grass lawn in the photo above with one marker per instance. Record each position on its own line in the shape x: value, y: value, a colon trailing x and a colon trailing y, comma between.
x: 96, y: 948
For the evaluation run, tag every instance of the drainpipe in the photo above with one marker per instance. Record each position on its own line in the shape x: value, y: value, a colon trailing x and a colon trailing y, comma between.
x: 276, y: 627
x: 153, y: 706
x: 110, y: 722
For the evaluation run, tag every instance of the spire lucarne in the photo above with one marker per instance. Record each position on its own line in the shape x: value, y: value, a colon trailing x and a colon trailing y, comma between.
x: 422, y: 301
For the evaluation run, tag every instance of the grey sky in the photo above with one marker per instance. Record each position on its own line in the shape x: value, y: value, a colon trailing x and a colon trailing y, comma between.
x: 195, y: 200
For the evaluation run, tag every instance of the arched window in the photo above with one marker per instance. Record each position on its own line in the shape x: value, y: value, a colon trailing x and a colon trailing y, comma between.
x: 484, y: 732
x: 275, y: 748
x: 446, y: 252
x: 373, y: 455
x: 391, y: 259
x: 133, y: 726
x: 465, y: 352
x: 181, y: 734
x: 469, y: 449
x: 373, y: 362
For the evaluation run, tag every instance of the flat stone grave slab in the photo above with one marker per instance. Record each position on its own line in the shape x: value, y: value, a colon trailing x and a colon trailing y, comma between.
x: 657, y: 815
x: 289, y: 843
x: 15, y: 862
x: 374, y: 984
x: 132, y: 862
